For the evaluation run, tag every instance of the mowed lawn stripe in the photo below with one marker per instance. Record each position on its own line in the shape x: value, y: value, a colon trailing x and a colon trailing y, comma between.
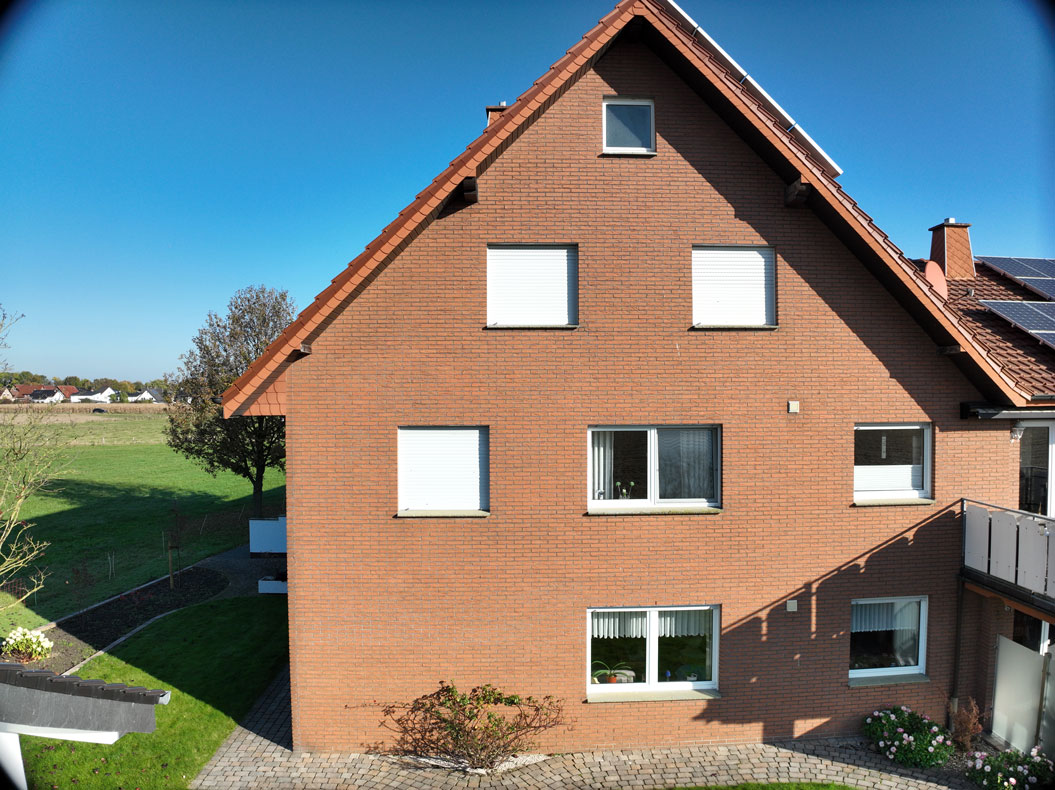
x: 216, y: 658
x: 118, y: 500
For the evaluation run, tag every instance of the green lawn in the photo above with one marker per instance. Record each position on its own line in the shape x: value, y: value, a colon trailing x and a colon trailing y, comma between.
x: 216, y: 659
x: 116, y: 500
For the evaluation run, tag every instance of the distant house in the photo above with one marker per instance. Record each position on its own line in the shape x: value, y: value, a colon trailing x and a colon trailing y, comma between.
x: 93, y: 396
x: 19, y: 393
x: 47, y: 395
x: 149, y: 395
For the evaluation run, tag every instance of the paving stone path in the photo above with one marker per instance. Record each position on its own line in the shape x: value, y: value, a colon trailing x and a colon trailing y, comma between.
x: 258, y: 755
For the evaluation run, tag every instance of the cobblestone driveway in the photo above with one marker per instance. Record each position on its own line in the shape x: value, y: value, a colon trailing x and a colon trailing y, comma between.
x: 258, y: 755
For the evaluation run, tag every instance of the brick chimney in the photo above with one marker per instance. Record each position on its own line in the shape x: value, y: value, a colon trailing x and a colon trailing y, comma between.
x: 494, y: 110
x: 950, y: 248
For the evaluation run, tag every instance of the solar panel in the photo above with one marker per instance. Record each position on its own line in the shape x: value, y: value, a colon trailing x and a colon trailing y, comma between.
x: 1037, y: 274
x: 1023, y: 314
x: 1046, y: 266
x: 1042, y: 285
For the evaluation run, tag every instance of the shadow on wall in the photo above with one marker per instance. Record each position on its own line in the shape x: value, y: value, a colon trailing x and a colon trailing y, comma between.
x: 792, y: 669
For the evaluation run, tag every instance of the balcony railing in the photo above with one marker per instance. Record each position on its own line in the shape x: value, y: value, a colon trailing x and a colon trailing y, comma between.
x: 1014, y: 546
x: 267, y: 535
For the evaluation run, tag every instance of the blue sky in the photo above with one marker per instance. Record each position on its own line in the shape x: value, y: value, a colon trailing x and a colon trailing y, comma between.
x: 157, y: 156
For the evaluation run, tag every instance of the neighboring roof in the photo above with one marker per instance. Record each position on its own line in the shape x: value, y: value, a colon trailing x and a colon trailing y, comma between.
x: 45, y: 680
x: 741, y: 102
x: 66, y: 389
x: 1027, y: 361
x: 43, y: 393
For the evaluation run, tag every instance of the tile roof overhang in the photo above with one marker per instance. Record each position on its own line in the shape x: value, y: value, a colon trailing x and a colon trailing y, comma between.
x: 261, y: 389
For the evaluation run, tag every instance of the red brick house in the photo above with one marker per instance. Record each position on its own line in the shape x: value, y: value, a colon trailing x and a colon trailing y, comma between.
x: 643, y: 409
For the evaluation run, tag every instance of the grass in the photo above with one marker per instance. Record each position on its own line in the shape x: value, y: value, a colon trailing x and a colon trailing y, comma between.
x: 115, y: 502
x: 216, y: 658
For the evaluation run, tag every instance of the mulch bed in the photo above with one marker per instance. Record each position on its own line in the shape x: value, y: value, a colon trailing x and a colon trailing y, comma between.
x: 80, y: 636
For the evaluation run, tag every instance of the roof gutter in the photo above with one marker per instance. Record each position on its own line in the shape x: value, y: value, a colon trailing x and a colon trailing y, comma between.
x: 750, y: 84
x: 987, y: 411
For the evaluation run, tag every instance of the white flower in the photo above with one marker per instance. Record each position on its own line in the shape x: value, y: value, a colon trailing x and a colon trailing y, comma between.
x: 930, y: 748
x: 987, y: 768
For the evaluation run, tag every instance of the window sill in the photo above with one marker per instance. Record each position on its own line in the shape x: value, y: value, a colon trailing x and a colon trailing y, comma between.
x: 659, y: 510
x: 617, y: 154
x: 733, y: 327
x: 443, y: 514
x: 532, y: 326
x: 655, y: 696
x: 887, y: 680
x: 885, y: 502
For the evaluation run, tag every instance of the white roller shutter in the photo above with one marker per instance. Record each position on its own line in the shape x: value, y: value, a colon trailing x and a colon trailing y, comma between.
x: 532, y: 286
x: 443, y: 469
x: 733, y: 286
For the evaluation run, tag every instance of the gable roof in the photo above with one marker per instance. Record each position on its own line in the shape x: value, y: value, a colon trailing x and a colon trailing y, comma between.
x: 1027, y: 361
x: 742, y: 104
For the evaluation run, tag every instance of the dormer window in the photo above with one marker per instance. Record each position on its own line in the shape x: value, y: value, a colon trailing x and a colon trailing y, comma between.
x: 629, y: 126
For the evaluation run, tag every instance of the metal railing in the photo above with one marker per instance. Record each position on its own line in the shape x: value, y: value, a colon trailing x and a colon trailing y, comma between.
x: 1015, y: 546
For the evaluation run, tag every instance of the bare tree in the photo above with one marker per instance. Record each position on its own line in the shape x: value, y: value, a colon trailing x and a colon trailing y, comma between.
x: 223, y: 350
x: 30, y: 458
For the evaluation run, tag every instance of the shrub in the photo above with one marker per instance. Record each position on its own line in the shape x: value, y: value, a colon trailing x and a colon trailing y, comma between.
x: 908, y: 738
x: 476, y: 730
x: 25, y: 646
x: 1011, y: 769
x: 966, y: 724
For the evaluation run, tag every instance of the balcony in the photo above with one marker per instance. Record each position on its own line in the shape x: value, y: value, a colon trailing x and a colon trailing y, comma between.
x: 267, y: 539
x: 1011, y: 552
x: 267, y: 536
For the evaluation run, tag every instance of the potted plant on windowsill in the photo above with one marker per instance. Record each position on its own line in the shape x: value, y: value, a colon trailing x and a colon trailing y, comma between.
x: 606, y: 673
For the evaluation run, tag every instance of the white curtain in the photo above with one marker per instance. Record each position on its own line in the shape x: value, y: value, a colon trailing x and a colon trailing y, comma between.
x: 885, y: 616
x: 614, y: 625
x: 689, y: 622
x: 686, y: 463
x: 603, y: 480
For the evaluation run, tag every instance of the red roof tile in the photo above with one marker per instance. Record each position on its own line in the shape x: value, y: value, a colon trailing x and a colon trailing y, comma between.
x: 240, y: 396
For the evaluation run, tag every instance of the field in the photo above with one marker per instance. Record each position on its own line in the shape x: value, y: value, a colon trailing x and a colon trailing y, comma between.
x: 213, y: 682
x: 109, y: 515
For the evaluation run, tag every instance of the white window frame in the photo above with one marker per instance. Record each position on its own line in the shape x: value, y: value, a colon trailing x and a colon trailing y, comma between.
x: 702, y: 314
x: 483, y: 470
x: 1050, y: 425
x: 918, y: 669
x: 571, y: 286
x: 900, y: 493
x: 653, y: 500
x: 652, y: 682
x: 627, y: 149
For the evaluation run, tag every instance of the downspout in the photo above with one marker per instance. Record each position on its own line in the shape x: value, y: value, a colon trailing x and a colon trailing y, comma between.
x: 954, y: 690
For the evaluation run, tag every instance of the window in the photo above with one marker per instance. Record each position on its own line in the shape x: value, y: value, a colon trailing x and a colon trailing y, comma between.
x: 651, y: 467
x: 1034, y: 469
x: 443, y: 469
x: 733, y: 286
x: 629, y: 126
x: 532, y: 286
x: 888, y: 636
x: 653, y: 649
x: 891, y: 462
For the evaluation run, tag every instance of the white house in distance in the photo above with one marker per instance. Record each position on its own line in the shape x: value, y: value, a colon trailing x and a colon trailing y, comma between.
x: 93, y: 396
x: 149, y: 395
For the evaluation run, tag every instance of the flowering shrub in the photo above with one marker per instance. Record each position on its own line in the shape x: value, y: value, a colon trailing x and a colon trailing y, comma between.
x: 1011, y: 769
x: 25, y: 646
x: 908, y: 738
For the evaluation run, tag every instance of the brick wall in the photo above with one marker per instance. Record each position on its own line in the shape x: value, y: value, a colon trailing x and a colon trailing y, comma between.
x: 382, y: 608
